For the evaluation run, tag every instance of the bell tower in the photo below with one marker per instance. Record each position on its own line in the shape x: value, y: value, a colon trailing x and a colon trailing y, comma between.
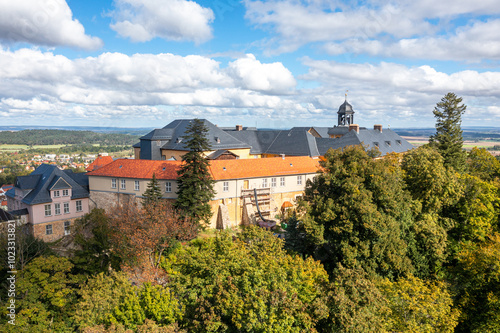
x: 346, y: 114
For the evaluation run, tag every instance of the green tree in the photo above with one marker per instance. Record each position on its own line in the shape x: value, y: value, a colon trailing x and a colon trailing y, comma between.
x: 448, y: 137
x: 247, y: 284
x: 195, y: 183
x: 153, y: 192
x: 355, y: 303
x: 483, y: 165
x: 47, y: 293
x: 476, y: 285
x: 357, y: 213
x: 418, y: 306
x: 435, y: 188
x: 94, y: 252
x: 112, y: 299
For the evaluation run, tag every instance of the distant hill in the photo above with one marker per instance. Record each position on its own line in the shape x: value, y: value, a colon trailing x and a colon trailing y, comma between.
x: 469, y: 133
x: 125, y: 130
x: 65, y: 137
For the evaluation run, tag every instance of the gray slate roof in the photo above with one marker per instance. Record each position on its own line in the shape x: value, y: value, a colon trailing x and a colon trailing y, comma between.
x: 294, y: 142
x: 174, y: 131
x: 386, y: 141
x: 5, y: 216
x: 42, y: 179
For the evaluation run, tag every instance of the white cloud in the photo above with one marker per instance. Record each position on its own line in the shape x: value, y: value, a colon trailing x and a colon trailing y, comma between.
x: 48, y: 23
x: 415, y: 29
x: 252, y: 74
x: 178, y: 20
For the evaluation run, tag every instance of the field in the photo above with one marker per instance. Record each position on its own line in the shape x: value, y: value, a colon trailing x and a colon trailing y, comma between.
x: 468, y: 144
x: 11, y: 148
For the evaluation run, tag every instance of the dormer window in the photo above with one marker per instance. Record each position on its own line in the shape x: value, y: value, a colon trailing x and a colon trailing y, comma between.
x: 217, y: 139
x: 65, y: 193
x: 375, y: 144
x: 398, y: 142
x: 388, y: 143
x: 56, y: 194
x: 179, y: 140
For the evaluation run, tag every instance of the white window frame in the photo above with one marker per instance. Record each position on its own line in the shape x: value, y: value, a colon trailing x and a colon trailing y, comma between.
x: 113, y: 182
x: 48, y: 210
x: 225, y: 187
x: 57, y: 194
x: 168, y: 187
x: 264, y: 183
x: 282, y: 182
x: 273, y: 182
x: 299, y: 180
x: 137, y: 186
x: 123, y: 184
x: 79, y: 206
x: 57, y: 209
x: 66, y: 207
x: 48, y: 229
x: 65, y: 193
x: 67, y: 226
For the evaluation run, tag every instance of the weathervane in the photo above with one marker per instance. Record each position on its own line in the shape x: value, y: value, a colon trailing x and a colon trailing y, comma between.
x: 346, y: 94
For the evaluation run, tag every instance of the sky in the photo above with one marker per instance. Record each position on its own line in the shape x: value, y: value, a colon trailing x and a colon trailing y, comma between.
x: 270, y: 64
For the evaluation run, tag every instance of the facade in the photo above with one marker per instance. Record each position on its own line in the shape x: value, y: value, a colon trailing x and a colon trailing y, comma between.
x: 50, y: 200
x: 279, y: 181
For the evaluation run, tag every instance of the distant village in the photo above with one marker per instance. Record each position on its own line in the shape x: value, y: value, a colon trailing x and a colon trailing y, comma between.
x: 259, y: 174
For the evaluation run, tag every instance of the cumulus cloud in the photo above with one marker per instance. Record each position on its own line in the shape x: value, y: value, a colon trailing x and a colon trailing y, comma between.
x: 178, y: 20
x: 115, y: 83
x: 415, y: 29
x: 48, y: 23
x: 399, y: 94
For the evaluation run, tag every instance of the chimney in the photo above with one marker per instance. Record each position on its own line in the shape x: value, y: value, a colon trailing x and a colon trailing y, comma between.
x: 378, y: 127
x: 239, y: 127
x: 354, y: 127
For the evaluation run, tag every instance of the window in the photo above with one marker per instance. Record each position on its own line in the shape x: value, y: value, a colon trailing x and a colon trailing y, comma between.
x: 225, y: 187
x: 123, y: 184
x: 113, y: 183
x: 273, y: 182
x: 65, y: 193
x: 398, y: 142
x: 48, y: 229
x: 57, y: 194
x: 67, y: 230
x: 48, y: 210
x: 57, y: 209
x: 282, y: 181
x: 136, y: 185
x: 79, y: 207
x: 66, y: 207
x: 264, y: 182
x: 388, y: 143
x: 168, y: 187
x: 299, y: 180
x: 375, y: 144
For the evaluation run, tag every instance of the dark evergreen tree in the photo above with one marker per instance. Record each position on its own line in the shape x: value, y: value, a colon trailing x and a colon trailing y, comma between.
x: 195, y: 183
x: 448, y: 138
x: 153, y: 192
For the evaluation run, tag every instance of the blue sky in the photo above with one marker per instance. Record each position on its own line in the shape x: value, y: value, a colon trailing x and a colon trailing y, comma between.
x: 144, y: 63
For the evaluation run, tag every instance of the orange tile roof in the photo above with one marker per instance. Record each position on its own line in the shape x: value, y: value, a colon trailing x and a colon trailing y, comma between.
x: 263, y: 167
x: 141, y: 169
x: 99, y: 162
x: 220, y: 169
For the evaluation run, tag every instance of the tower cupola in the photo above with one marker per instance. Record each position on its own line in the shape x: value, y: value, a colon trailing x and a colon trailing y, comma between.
x: 346, y: 114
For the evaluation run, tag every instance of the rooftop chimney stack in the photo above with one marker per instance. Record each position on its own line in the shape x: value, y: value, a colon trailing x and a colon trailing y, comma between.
x: 354, y: 127
x: 239, y: 127
x: 378, y: 127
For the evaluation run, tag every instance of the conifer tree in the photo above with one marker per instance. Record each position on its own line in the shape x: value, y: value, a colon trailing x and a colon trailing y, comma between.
x: 195, y: 183
x: 448, y: 138
x: 153, y: 192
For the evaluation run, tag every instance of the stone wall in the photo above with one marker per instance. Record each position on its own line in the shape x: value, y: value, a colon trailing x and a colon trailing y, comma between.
x: 39, y: 230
